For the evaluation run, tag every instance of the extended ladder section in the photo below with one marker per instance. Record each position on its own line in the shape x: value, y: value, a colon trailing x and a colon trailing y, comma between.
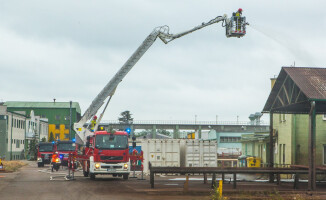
x: 161, y: 32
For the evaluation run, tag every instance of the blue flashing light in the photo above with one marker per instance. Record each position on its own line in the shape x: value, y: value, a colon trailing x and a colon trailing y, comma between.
x: 53, y: 142
x: 74, y: 140
x: 128, y: 130
x: 61, y: 156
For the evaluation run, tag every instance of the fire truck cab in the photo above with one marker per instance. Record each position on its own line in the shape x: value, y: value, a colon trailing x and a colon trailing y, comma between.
x: 64, y: 148
x: 44, y: 153
x: 107, y: 153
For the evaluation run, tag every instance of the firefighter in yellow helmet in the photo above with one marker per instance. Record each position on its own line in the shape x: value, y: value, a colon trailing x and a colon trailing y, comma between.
x: 93, y: 123
x: 238, y: 15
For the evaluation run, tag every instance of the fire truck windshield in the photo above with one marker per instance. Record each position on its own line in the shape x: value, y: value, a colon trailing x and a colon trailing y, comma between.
x: 45, y: 147
x: 111, y: 142
x: 66, y: 147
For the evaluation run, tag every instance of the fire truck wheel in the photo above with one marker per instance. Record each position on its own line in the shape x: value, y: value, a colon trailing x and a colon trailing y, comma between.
x: 114, y: 175
x: 92, y: 176
x: 85, y: 173
x: 39, y: 165
x: 125, y: 176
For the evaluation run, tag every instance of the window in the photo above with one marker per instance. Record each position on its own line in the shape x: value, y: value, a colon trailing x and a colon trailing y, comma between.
x: 67, y: 118
x: 229, y: 139
x: 57, y: 136
x: 324, y: 116
x: 43, y: 116
x: 279, y: 154
x: 66, y: 126
x: 66, y: 136
x: 283, y: 153
x: 57, y: 117
x: 57, y: 126
x: 17, y: 144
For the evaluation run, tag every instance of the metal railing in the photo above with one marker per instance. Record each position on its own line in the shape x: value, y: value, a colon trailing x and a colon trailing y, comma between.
x: 184, y: 122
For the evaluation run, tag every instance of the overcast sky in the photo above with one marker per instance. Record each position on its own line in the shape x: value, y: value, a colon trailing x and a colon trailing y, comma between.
x: 69, y: 50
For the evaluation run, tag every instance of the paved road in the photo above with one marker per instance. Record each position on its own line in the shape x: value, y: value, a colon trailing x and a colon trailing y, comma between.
x: 31, y: 183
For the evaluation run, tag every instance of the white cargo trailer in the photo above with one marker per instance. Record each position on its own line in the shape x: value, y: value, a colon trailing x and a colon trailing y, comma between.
x: 161, y: 153
x: 199, y: 153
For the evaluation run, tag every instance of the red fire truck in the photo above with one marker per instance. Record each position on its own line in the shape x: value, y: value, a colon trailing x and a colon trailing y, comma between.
x: 106, y: 153
x: 44, y: 153
x: 64, y: 148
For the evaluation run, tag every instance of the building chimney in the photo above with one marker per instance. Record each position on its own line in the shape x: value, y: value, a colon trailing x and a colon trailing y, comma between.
x: 54, y: 100
x: 273, y: 80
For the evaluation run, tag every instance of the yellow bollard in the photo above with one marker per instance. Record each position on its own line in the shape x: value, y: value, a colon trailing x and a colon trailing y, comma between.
x: 220, y: 188
x: 186, y: 184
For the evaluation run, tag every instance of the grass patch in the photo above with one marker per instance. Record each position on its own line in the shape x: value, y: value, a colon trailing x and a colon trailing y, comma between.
x: 13, y: 165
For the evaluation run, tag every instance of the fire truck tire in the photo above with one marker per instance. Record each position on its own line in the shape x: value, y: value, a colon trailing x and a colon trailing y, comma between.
x: 114, y: 175
x: 39, y: 165
x: 85, y: 173
x: 92, y: 176
x: 125, y: 176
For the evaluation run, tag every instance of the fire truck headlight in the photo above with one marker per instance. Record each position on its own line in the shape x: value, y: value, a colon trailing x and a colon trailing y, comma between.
x: 39, y: 159
x: 125, y: 166
x: 57, y: 160
x: 97, y: 165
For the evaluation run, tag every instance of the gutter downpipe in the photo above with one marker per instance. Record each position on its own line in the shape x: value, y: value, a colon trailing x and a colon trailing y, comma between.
x: 12, y: 119
x: 312, y: 147
x: 271, y: 147
x: 7, y: 134
x: 25, y: 149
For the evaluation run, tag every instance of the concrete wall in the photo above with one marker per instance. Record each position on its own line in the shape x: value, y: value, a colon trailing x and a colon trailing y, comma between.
x: 283, y: 147
x: 3, y: 134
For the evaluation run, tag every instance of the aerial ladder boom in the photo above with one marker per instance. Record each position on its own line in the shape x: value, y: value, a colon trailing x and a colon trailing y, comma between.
x: 161, y: 32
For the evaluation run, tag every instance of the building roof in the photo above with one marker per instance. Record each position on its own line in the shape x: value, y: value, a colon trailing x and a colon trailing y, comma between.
x: 26, y: 104
x: 295, y: 88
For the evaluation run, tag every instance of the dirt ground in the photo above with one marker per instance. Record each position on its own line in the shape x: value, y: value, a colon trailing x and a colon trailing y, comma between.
x: 31, y: 182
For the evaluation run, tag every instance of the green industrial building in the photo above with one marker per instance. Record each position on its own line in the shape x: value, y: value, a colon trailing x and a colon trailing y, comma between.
x: 297, y: 108
x: 57, y: 113
x: 290, y: 141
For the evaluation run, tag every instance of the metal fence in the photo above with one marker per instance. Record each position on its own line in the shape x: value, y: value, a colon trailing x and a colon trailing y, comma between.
x: 246, y: 123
